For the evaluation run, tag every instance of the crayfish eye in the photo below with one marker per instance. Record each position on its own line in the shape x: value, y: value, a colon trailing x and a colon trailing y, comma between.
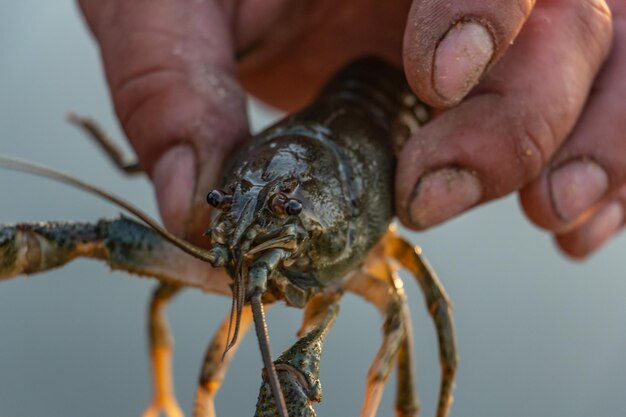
x: 218, y: 199
x: 282, y: 205
x: 277, y: 204
x: 293, y: 207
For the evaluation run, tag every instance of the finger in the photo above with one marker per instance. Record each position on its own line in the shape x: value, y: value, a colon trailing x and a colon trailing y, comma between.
x: 448, y: 45
x: 592, y: 163
x: 591, y: 235
x: 502, y: 135
x: 170, y: 69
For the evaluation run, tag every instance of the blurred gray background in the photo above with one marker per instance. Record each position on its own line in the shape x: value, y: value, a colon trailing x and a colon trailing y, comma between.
x: 538, y: 335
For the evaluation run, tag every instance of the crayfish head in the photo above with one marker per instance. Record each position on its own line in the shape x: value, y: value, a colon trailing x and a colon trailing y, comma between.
x: 253, y: 219
x: 256, y: 232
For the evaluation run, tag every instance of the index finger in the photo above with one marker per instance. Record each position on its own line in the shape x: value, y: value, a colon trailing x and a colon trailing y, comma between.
x: 171, y: 71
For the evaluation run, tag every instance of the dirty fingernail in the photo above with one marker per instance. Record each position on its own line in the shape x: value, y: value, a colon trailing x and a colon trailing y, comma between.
x: 604, y: 225
x: 460, y: 60
x: 576, y: 186
x: 441, y: 194
x: 174, y: 182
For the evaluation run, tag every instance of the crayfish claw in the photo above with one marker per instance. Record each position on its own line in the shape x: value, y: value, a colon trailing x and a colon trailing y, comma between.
x: 298, y: 368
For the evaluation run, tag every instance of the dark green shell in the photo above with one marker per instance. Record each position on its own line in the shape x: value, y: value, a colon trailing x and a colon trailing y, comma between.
x: 340, y: 152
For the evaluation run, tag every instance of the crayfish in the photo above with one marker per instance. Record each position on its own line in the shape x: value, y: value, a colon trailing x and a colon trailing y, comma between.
x: 303, y: 215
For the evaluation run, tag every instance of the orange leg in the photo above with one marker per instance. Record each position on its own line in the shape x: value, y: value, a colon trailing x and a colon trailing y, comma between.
x: 161, y: 345
x: 407, y: 404
x: 378, y: 284
x: 439, y: 307
x: 214, y: 366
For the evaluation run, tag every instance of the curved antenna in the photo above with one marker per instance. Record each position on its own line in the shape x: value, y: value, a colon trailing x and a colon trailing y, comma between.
x: 264, y: 344
x: 43, y: 171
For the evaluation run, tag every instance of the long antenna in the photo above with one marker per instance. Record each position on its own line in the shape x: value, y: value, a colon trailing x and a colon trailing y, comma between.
x: 43, y: 171
x: 264, y: 344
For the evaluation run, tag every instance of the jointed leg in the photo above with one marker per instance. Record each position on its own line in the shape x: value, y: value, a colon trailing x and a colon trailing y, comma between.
x: 161, y: 345
x: 439, y: 307
x: 407, y: 404
x: 106, y: 144
x: 317, y: 310
x: 214, y: 366
x: 378, y: 284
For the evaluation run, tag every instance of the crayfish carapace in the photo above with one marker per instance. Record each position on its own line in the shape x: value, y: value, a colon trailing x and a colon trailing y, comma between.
x: 302, y: 215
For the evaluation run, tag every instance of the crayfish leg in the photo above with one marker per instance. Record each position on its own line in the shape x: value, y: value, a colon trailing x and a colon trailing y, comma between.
x: 438, y: 305
x: 378, y: 283
x: 108, y: 146
x: 215, y: 364
x: 407, y: 403
x: 161, y: 346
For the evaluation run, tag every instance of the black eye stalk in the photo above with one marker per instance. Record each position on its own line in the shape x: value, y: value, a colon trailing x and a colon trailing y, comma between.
x: 293, y: 207
x: 219, y: 199
x: 282, y: 205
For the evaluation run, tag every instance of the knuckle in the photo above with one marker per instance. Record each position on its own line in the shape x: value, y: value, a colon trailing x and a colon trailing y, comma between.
x: 596, y: 25
x: 162, y: 92
x: 534, y: 138
x: 601, y: 9
x: 131, y: 93
x: 162, y: 107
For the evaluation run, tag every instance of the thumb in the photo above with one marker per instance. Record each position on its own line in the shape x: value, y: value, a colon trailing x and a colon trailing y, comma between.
x: 171, y: 72
x: 448, y: 45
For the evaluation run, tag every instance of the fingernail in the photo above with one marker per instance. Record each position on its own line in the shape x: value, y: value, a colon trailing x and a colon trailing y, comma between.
x: 576, y: 186
x: 174, y: 182
x: 460, y: 60
x: 441, y: 194
x: 604, y: 225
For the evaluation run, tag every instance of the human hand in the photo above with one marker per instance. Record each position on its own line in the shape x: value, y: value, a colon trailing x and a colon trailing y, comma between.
x: 171, y: 68
x: 546, y: 119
